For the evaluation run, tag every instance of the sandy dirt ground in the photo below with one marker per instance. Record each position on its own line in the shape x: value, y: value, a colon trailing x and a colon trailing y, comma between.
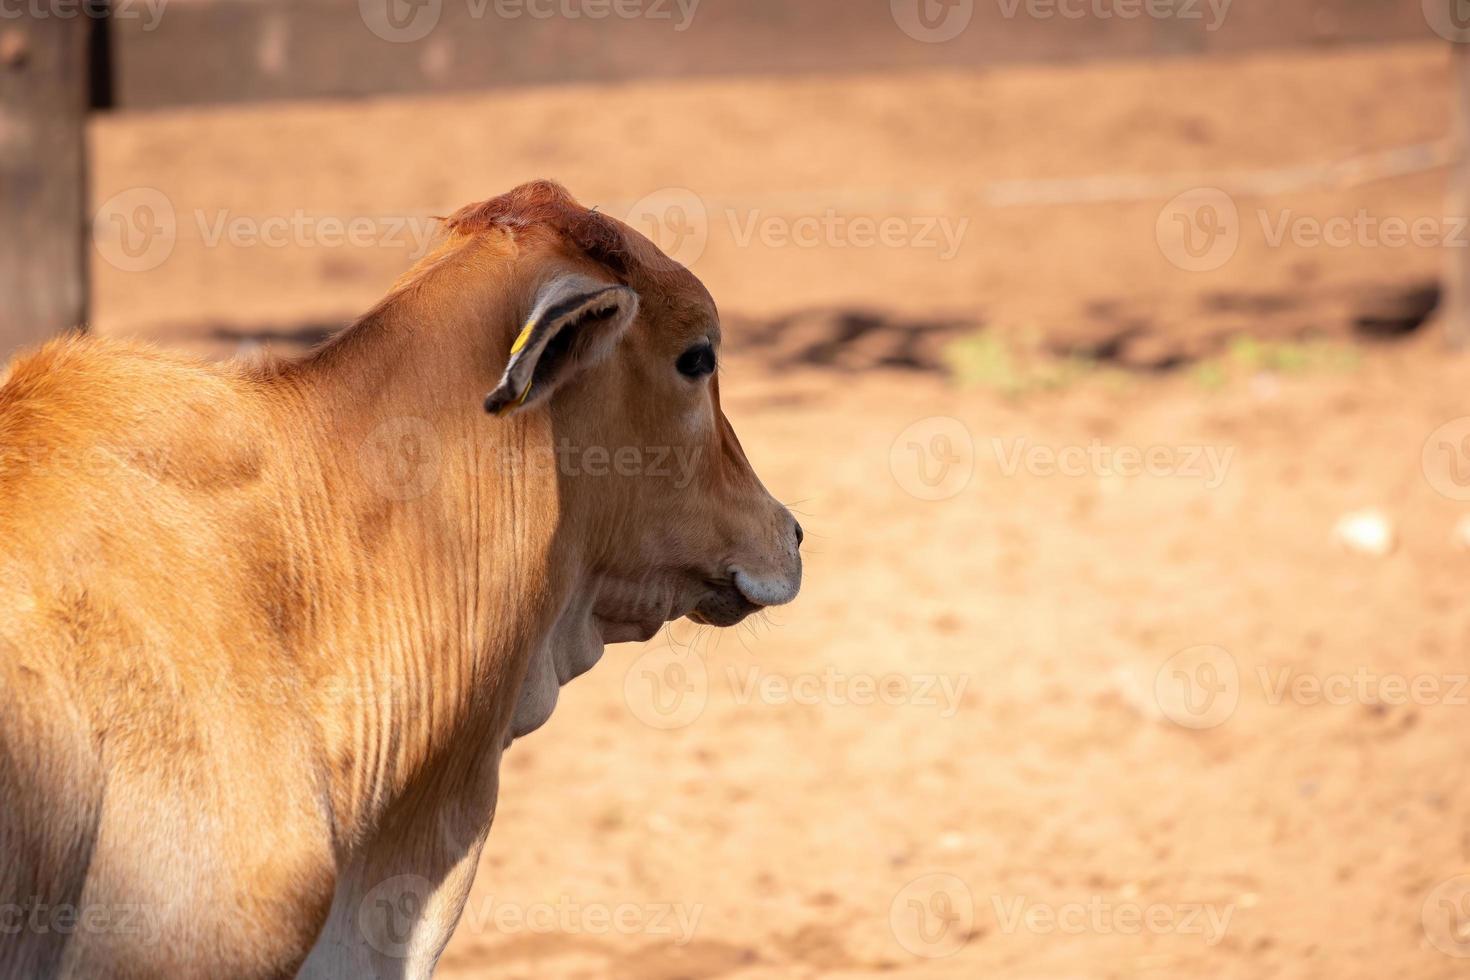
x: 1037, y: 713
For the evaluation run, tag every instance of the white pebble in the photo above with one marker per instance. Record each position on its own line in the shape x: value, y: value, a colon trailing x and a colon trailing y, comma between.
x: 1365, y: 532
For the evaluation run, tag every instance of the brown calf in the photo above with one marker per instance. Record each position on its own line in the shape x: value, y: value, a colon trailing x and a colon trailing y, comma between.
x: 265, y: 632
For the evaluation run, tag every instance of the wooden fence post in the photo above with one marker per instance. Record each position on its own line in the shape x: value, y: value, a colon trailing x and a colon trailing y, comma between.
x: 1454, y: 300
x: 43, y: 192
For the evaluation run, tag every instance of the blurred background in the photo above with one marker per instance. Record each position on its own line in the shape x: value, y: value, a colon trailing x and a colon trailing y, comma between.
x: 1109, y: 350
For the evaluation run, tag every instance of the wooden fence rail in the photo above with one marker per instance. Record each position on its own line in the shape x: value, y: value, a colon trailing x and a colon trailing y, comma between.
x: 248, y: 50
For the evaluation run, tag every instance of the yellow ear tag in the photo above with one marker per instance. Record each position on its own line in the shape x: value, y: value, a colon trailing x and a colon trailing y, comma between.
x: 516, y: 348
x: 524, y: 338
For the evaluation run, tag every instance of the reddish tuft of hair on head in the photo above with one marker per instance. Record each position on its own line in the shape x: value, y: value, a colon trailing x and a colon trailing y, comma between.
x: 547, y: 203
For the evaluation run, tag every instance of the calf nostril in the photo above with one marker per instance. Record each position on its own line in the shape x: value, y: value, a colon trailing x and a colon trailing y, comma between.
x: 800, y: 534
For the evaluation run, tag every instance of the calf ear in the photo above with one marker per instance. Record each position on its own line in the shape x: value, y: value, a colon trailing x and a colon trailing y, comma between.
x: 576, y: 322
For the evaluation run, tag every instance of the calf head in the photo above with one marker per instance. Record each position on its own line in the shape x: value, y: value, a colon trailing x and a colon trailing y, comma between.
x: 621, y: 345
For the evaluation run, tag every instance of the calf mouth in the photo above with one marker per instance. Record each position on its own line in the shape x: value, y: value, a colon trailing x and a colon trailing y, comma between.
x: 719, y: 603
x: 725, y: 605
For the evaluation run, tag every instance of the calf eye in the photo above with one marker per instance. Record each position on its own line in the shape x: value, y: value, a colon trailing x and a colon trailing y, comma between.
x: 697, y: 361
